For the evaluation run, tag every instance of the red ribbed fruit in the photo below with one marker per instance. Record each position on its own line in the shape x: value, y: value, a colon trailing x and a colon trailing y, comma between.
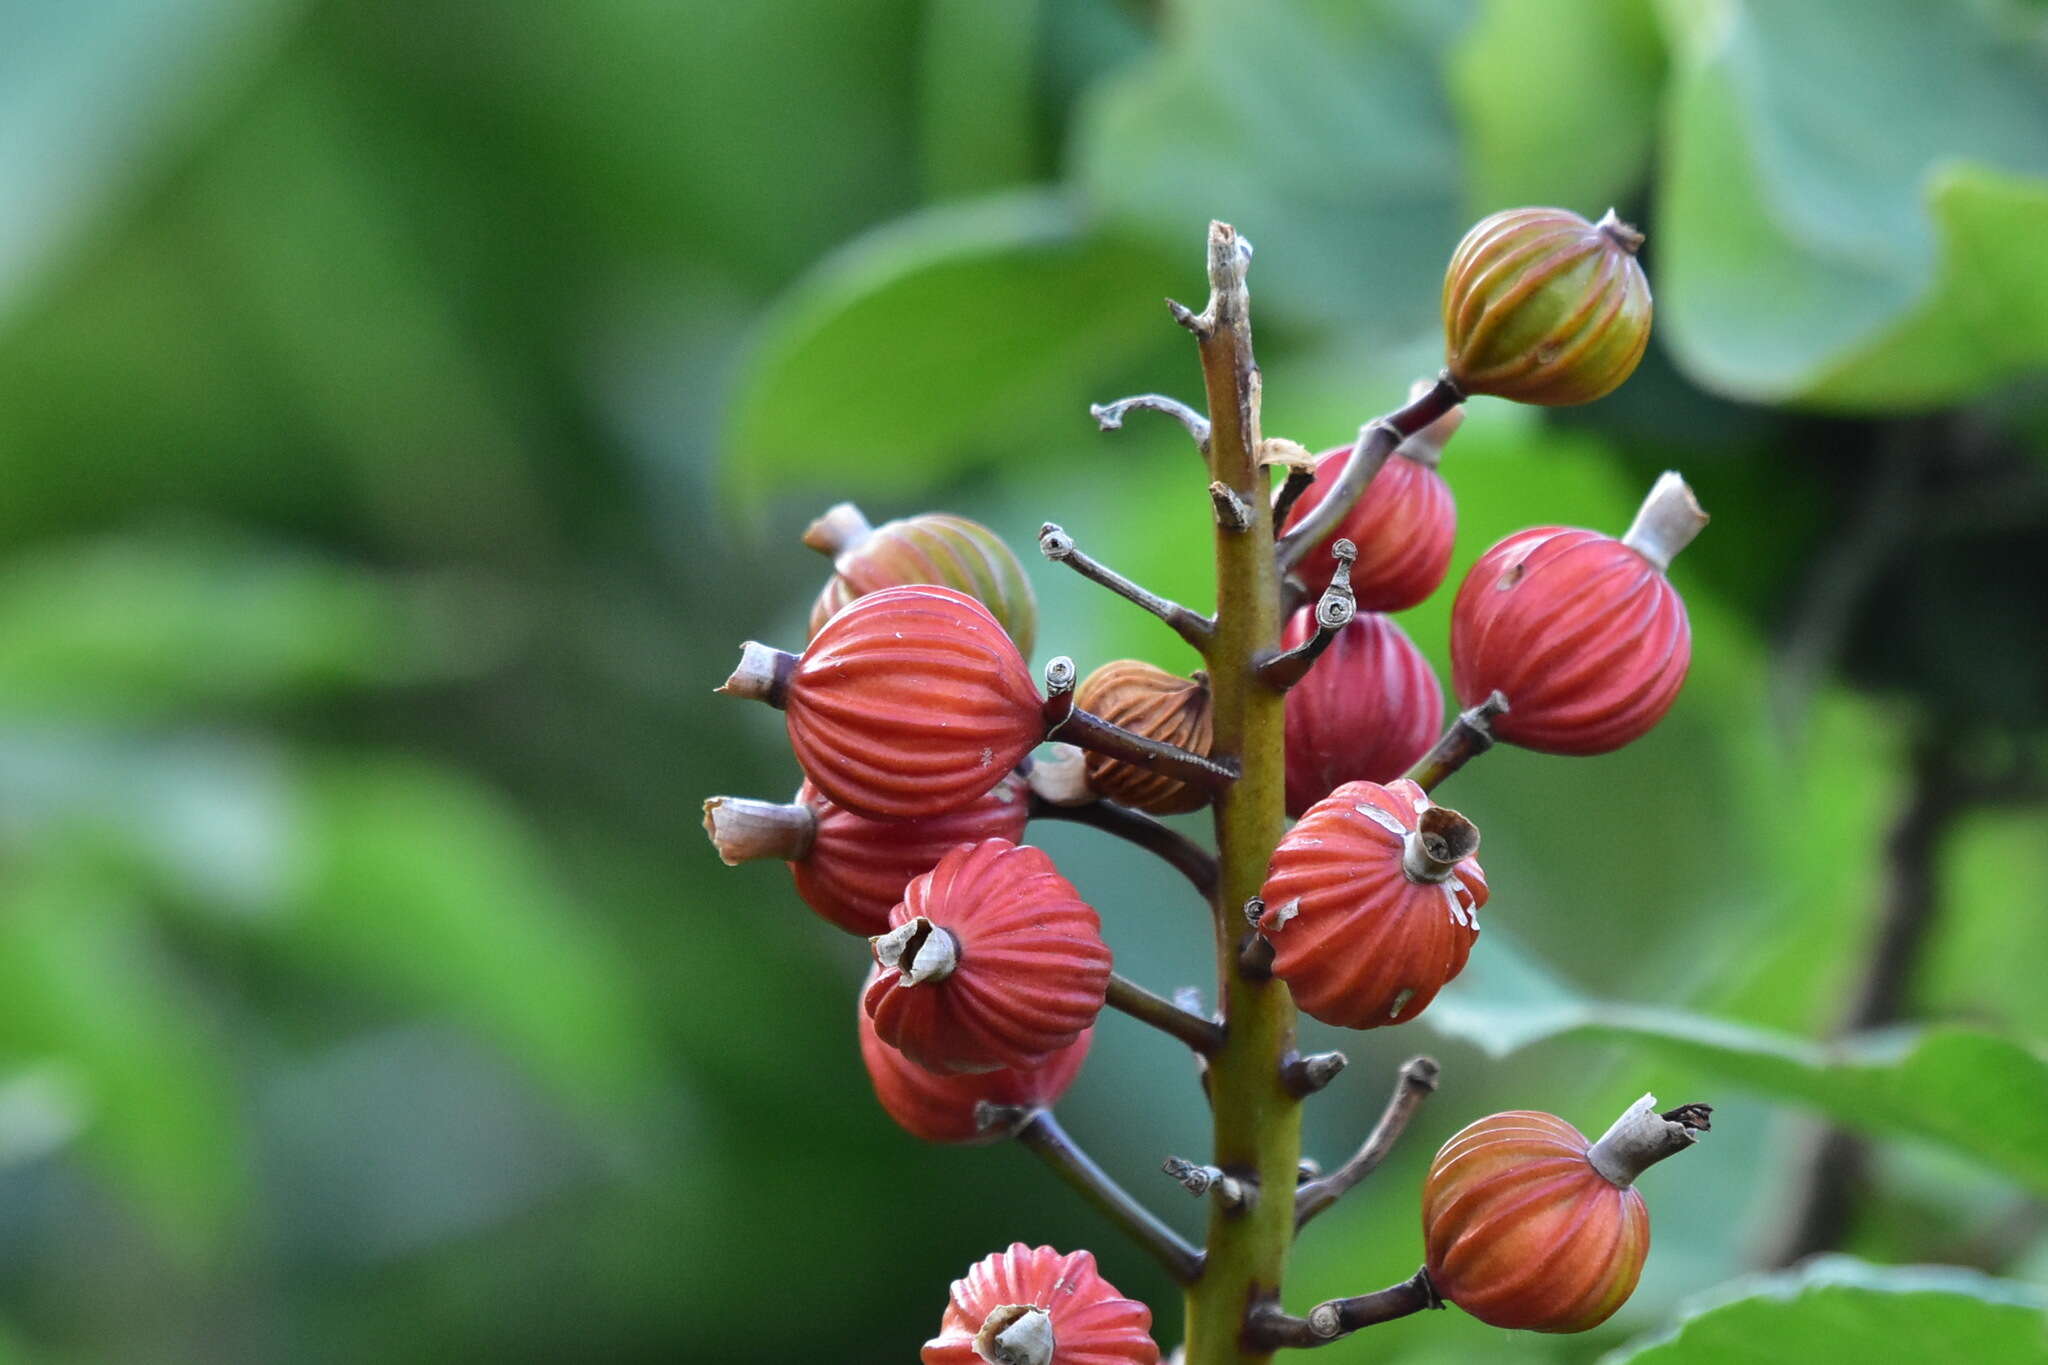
x: 1582, y: 632
x: 992, y: 961
x: 1528, y: 1225
x: 1034, y: 1306
x: 848, y: 868
x: 911, y: 702
x: 933, y: 547
x: 1372, y: 903
x: 1403, y: 524
x: 940, y: 1107
x: 1366, y: 712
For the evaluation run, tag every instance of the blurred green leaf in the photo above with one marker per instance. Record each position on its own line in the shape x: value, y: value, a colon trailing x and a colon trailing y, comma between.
x: 975, y: 72
x: 1851, y: 222
x: 84, y: 984
x: 1839, y: 1308
x: 420, y: 883
x: 1977, y: 1093
x: 1322, y: 131
x: 1558, y: 102
x: 944, y: 338
x: 142, y: 626
x: 91, y: 98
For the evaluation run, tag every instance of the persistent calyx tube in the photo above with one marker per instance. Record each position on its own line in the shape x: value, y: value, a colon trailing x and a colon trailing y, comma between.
x: 1642, y: 1137
x: 745, y: 831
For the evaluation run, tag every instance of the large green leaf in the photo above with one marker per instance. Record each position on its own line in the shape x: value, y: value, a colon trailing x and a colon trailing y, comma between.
x: 140, y: 626
x: 945, y: 338
x: 1853, y: 223
x: 92, y: 95
x: 418, y: 883
x: 1320, y: 128
x: 1557, y: 102
x: 1839, y: 1308
x: 1980, y: 1094
x: 85, y: 986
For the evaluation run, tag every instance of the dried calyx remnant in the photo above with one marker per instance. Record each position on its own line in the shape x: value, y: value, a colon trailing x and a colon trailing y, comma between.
x: 913, y: 695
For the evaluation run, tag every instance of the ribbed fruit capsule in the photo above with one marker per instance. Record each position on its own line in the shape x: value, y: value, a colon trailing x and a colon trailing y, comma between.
x: 933, y: 547
x: 910, y: 702
x: 1542, y: 306
x: 1527, y: 1225
x: 992, y: 960
x: 1583, y: 633
x: 1034, y: 1306
x: 1372, y: 903
x: 848, y: 868
x: 940, y: 1107
x: 1403, y: 524
x: 1366, y: 712
x: 1159, y: 705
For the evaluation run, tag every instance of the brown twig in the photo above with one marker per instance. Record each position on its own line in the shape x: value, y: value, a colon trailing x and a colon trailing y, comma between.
x: 1417, y: 1081
x: 1267, y: 1328
x: 1376, y: 441
x: 1203, y: 1035
x: 1055, y: 544
x: 1178, y: 851
x: 1470, y: 735
x: 1049, y: 1142
x: 1066, y: 721
x: 1833, y: 1165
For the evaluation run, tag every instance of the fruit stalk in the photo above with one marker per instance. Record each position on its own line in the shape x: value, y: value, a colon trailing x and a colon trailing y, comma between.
x: 1257, y: 1121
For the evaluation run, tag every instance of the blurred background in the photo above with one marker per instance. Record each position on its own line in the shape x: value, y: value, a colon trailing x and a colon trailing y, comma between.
x: 407, y: 408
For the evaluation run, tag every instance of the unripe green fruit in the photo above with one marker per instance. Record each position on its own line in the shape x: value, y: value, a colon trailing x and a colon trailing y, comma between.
x: 1542, y: 306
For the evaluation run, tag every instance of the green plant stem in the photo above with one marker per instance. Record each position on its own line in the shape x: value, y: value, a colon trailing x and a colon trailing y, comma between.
x: 1257, y: 1121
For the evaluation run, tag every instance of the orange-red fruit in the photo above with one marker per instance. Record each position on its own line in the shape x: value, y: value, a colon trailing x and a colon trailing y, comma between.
x: 1582, y: 633
x: 1365, y: 713
x: 1542, y: 306
x: 1522, y: 1231
x: 1028, y: 969
x: 1360, y: 939
x: 1083, y: 1319
x: 934, y: 547
x: 911, y: 702
x: 1159, y: 705
x: 1403, y: 525
x: 940, y: 1107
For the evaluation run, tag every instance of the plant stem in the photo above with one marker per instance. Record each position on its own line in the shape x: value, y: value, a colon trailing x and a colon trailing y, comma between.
x: 1257, y: 1121
x: 1203, y: 1035
x: 1049, y: 1142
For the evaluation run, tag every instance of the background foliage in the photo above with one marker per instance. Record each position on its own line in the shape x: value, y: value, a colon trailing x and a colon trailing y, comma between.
x: 406, y: 408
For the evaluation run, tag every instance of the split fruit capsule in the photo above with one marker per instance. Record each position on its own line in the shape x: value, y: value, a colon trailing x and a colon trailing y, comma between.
x: 1034, y: 1306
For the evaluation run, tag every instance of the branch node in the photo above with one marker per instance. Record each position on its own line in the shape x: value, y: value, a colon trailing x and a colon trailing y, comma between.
x: 1304, y: 1076
x: 1232, y: 1193
x: 1233, y: 513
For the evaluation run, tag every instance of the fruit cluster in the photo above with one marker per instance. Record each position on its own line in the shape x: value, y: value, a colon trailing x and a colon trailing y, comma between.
x: 918, y: 725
